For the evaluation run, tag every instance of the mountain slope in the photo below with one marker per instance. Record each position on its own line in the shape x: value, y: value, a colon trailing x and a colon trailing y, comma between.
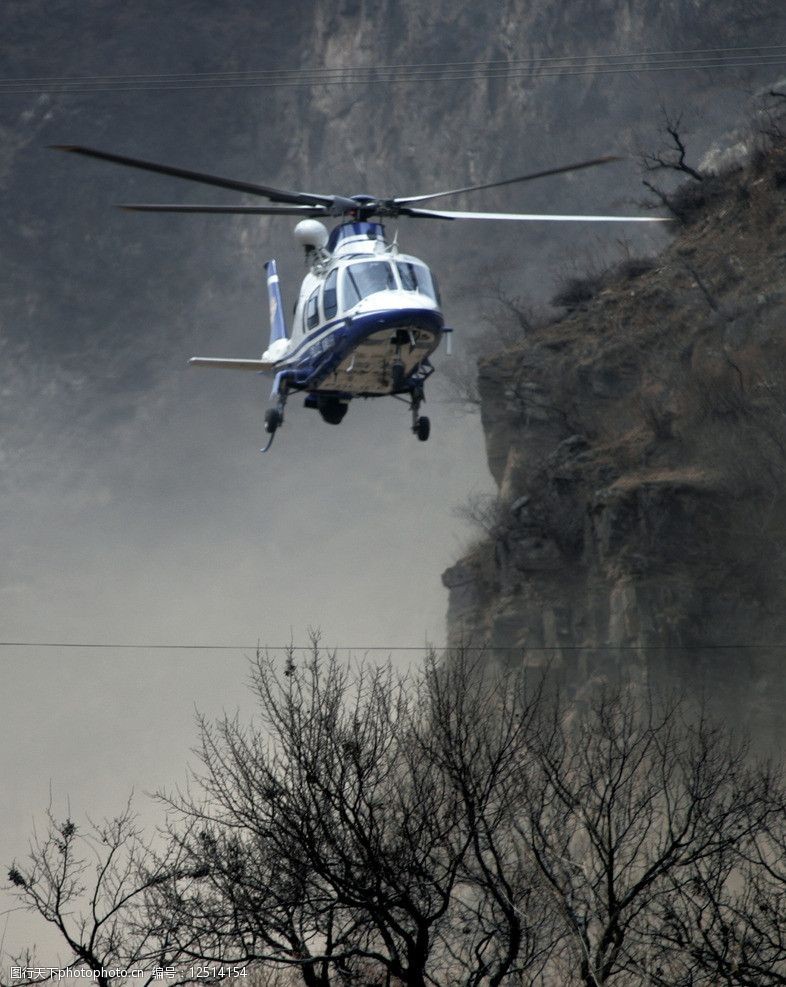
x: 639, y: 448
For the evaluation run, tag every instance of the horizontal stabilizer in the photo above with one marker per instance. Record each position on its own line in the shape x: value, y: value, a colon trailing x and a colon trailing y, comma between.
x: 205, y: 361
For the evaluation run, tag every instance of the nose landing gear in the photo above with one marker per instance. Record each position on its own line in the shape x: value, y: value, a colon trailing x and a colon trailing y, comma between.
x: 421, y: 426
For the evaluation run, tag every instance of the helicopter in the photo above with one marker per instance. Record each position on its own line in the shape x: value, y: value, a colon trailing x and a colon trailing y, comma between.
x: 368, y: 317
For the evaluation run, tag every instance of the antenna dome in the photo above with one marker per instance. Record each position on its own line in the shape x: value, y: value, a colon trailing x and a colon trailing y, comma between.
x: 311, y: 233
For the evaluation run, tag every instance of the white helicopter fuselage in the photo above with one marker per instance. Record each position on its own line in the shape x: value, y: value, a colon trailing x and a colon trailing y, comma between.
x: 366, y: 320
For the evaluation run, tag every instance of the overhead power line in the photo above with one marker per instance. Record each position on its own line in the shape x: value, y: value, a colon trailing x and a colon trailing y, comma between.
x: 437, y: 72
x: 604, y: 646
x: 325, y: 70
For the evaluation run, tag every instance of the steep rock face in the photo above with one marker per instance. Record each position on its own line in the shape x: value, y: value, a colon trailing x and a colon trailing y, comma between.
x: 639, y: 447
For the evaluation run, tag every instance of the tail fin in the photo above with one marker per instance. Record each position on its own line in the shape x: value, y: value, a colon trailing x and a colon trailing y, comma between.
x: 278, y: 329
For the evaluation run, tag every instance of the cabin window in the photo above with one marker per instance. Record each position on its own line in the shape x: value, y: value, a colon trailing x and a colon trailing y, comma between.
x: 329, y: 298
x: 417, y: 277
x: 434, y: 287
x: 312, y: 310
x: 361, y: 280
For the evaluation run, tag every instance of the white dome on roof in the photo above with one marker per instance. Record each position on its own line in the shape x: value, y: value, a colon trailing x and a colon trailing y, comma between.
x: 311, y: 233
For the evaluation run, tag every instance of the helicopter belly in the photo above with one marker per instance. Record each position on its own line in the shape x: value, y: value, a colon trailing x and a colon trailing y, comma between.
x: 367, y: 366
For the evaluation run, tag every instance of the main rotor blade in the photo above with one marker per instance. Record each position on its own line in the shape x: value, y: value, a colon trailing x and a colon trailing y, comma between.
x: 511, y: 181
x: 530, y: 217
x: 254, y: 210
x: 274, y: 194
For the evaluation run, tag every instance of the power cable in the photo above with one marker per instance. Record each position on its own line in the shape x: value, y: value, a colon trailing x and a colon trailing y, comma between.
x: 380, y: 77
x: 402, y: 65
x: 384, y: 647
x: 406, y: 66
x: 374, y: 76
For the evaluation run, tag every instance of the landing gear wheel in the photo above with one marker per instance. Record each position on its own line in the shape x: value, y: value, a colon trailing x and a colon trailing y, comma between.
x: 273, y: 418
x: 422, y: 428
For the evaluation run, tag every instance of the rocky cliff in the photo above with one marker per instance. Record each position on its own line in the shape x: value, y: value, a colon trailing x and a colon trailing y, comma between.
x: 639, y: 448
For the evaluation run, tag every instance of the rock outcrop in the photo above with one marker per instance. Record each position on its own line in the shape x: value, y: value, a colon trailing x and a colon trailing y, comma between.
x: 639, y: 448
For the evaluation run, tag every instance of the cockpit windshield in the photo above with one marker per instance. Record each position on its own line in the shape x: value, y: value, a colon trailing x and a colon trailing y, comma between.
x: 366, y: 279
x: 417, y: 277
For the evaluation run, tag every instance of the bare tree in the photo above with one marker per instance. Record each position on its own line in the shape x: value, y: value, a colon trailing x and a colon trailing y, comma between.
x: 456, y: 826
x: 93, y: 886
x: 360, y: 839
x: 477, y: 725
x: 771, y: 121
x: 727, y: 924
x: 625, y: 802
x: 361, y: 833
x: 672, y: 158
